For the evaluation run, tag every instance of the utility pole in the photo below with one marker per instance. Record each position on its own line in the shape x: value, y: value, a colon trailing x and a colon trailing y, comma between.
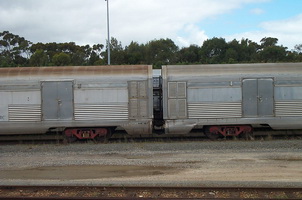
x: 108, y: 42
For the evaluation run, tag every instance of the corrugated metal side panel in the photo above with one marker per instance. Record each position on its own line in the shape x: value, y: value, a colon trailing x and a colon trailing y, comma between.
x: 133, y: 108
x: 181, y: 90
x: 142, y: 89
x: 288, y: 108
x: 103, y: 112
x: 143, y: 108
x: 172, y: 90
x: 172, y: 108
x: 182, y: 108
x: 26, y: 113
x: 214, y: 110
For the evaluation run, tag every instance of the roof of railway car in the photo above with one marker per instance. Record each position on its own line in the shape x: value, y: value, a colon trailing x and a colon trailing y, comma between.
x: 113, y: 70
x: 223, y: 69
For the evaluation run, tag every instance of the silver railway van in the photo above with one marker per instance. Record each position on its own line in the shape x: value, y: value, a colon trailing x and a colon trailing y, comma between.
x: 232, y: 99
x: 83, y: 101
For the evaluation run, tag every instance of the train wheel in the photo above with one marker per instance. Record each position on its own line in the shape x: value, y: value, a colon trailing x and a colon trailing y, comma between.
x: 247, y: 136
x: 211, y: 135
x: 70, y: 139
x: 103, y: 138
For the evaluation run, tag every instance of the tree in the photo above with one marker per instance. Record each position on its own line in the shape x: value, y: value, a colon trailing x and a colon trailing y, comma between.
x: 135, y: 53
x: 268, y: 41
x: 39, y: 58
x: 270, y: 52
x: 61, y: 59
x: 296, y: 55
x: 117, y: 54
x: 231, y: 56
x: 248, y: 51
x: 273, y: 54
x: 17, y: 51
x: 14, y: 49
x: 189, y: 55
x: 161, y: 52
x: 213, y: 51
x: 78, y: 58
x: 96, y: 55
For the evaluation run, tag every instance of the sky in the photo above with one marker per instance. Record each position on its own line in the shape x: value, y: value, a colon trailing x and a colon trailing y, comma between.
x: 186, y: 22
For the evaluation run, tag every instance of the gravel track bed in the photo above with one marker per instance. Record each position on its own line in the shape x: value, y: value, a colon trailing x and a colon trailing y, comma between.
x: 252, y: 163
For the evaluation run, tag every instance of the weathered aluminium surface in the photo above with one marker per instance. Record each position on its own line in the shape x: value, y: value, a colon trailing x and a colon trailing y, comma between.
x: 252, y: 94
x: 36, y: 100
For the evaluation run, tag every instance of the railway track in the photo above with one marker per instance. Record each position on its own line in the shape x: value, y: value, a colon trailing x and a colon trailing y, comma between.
x: 122, y: 137
x: 166, y: 193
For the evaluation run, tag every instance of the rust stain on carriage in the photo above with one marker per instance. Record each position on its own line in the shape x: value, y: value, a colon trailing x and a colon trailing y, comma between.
x: 74, y: 70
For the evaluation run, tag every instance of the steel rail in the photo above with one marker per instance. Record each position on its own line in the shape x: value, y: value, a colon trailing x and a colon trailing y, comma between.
x: 144, y: 193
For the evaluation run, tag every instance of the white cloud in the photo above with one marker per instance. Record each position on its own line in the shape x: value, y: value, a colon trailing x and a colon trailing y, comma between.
x: 288, y: 32
x: 288, y: 26
x: 257, y: 11
x: 84, y: 22
x: 145, y: 20
x: 192, y: 35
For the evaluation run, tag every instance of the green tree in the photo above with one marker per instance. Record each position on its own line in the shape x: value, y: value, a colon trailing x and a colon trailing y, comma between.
x: 78, y: 58
x: 96, y: 55
x: 61, y: 59
x: 273, y: 54
x: 213, y: 51
x: 135, y: 53
x: 248, y: 51
x: 268, y: 41
x: 270, y: 52
x: 298, y: 48
x: 161, y: 52
x: 4, y: 61
x: 296, y: 54
x: 189, y: 55
x: 117, y: 53
x: 231, y: 56
x: 39, y: 58
x: 14, y: 49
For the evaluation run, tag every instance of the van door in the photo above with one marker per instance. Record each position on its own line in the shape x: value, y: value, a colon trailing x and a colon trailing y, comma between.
x: 258, y: 97
x: 57, y: 100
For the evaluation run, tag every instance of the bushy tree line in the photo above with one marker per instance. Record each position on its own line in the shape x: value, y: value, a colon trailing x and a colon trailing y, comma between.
x: 17, y: 51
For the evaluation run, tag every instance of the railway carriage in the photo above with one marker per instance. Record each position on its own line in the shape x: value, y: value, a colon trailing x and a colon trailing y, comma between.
x: 90, y: 102
x: 83, y: 101
x: 232, y: 99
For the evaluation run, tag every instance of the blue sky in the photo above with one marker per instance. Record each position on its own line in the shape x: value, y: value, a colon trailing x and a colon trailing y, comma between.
x: 250, y: 16
x: 184, y: 21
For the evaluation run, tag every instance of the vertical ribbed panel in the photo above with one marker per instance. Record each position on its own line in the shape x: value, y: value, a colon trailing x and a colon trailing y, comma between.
x: 172, y: 89
x: 181, y: 90
x: 288, y: 108
x: 133, y: 93
x: 182, y: 108
x: 214, y: 110
x: 172, y: 108
x: 101, y: 112
x: 142, y: 89
x: 133, y: 108
x: 143, y: 108
x: 24, y: 113
x: 177, y: 108
x: 177, y: 102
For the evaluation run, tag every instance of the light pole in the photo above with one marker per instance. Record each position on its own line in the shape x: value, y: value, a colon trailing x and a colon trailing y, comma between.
x: 108, y: 43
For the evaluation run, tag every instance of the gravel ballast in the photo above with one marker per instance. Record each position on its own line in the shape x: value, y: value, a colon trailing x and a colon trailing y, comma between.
x: 221, y: 163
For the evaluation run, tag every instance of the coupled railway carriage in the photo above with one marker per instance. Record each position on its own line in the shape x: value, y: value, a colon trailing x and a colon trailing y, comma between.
x: 232, y: 99
x: 81, y: 101
x: 91, y: 102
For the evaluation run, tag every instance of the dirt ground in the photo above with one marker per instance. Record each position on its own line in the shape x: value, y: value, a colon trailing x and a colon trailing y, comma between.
x: 84, y: 172
x: 142, y: 166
